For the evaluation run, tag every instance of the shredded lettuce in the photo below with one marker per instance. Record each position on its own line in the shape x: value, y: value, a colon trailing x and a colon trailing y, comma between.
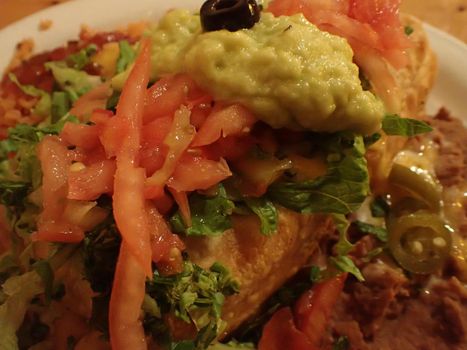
x: 379, y: 232
x: 345, y: 264
x: 22, y: 140
x: 44, y: 270
x: 18, y: 291
x: 210, y: 216
x: 42, y: 107
x: 341, y: 191
x: 379, y: 207
x: 82, y: 58
x: 395, y: 125
x: 194, y: 295
x: 232, y: 345
x: 75, y: 82
x: 126, y: 57
x: 266, y: 212
x: 61, y: 104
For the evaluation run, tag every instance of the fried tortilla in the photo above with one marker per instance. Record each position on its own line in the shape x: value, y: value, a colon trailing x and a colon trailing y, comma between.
x: 262, y: 264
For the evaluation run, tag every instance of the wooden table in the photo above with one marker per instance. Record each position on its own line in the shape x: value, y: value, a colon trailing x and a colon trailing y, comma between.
x: 448, y: 15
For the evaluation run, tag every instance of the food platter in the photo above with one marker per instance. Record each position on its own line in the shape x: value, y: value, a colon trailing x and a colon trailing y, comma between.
x: 67, y: 19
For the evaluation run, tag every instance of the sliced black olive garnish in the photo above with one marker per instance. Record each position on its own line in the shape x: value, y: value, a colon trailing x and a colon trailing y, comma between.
x: 232, y: 15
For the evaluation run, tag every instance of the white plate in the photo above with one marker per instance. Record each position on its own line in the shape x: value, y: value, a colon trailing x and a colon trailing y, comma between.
x: 450, y: 88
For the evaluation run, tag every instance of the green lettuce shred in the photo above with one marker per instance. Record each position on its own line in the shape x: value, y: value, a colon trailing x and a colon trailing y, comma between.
x: 42, y: 107
x: 75, y: 82
x: 341, y: 191
x: 82, y: 58
x: 393, y: 124
x: 210, y: 215
x: 18, y: 292
x: 266, y: 212
x: 126, y: 57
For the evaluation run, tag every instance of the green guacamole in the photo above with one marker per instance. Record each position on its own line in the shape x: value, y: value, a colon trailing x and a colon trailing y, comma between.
x: 284, y: 69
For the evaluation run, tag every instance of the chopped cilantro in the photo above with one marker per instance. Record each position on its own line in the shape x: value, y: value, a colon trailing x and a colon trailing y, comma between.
x: 210, y: 215
x: 395, y: 125
x: 408, y: 30
x: 379, y: 232
x: 379, y: 207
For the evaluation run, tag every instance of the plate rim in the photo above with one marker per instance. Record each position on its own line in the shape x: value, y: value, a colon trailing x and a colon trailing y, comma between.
x: 146, y: 9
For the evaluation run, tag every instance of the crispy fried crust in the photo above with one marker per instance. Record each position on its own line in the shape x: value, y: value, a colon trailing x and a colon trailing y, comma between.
x: 263, y: 264
x: 260, y: 264
x: 415, y: 82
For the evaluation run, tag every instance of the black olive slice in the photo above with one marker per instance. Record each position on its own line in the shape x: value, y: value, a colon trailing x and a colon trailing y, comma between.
x: 232, y: 15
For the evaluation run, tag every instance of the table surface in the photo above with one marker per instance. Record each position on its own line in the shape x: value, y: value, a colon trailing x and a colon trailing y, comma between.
x: 448, y: 15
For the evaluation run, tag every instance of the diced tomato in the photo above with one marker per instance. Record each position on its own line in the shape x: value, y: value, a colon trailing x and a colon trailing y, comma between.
x: 125, y: 327
x: 94, y: 99
x: 128, y: 200
x: 101, y: 116
x: 231, y: 120
x: 199, y: 113
x: 112, y: 134
x: 305, y: 329
x: 152, y: 158
x: 95, y: 155
x: 55, y: 162
x: 91, y: 181
x: 66, y: 326
x: 372, y: 28
x: 58, y: 231
x: 163, y: 203
x: 129, y: 207
x: 281, y: 333
x: 230, y: 147
x: 198, y: 173
x: 181, y: 199
x: 257, y: 174
x: 155, y: 132
x: 178, y: 139
x: 81, y: 135
x: 314, y: 308
x: 383, y: 16
x: 162, y: 240
x: 169, y: 93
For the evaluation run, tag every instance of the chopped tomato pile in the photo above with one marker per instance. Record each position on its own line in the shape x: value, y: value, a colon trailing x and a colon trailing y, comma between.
x: 372, y: 28
x: 145, y: 156
x: 305, y: 327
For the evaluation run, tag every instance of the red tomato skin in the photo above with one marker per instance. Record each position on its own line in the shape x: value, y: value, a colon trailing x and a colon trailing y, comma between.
x: 162, y: 240
x: 178, y: 139
x: 58, y: 231
x: 112, y: 134
x: 198, y: 173
x: 128, y: 200
x: 181, y: 199
x: 230, y: 147
x: 280, y: 333
x: 154, y: 133
x: 125, y: 327
x: 314, y: 308
x: 231, y: 120
x: 152, y: 158
x: 55, y: 161
x: 80, y: 135
x: 166, y: 96
x: 91, y: 182
x: 199, y: 113
x: 164, y: 203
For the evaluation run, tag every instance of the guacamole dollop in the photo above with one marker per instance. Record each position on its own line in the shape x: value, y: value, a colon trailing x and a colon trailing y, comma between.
x: 284, y: 69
